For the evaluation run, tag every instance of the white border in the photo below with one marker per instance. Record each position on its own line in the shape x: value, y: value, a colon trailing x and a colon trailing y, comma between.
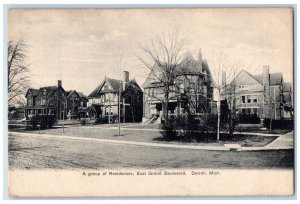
x: 211, y: 3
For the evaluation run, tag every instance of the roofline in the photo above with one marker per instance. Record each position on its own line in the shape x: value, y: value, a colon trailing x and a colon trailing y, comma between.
x: 247, y: 73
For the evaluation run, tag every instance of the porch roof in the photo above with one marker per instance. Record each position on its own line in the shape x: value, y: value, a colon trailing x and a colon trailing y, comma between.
x: 35, y: 107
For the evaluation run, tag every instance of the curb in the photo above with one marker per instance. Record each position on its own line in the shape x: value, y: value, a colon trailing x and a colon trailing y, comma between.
x: 150, y: 144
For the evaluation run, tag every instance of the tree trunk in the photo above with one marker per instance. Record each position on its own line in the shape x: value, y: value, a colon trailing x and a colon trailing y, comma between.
x: 218, y: 112
x: 165, y: 109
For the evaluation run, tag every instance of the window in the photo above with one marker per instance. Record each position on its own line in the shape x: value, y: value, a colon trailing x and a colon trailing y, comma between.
x: 181, y: 88
x: 248, y: 99
x: 254, y: 99
x: 254, y: 110
x: 243, y: 99
x: 248, y: 110
x: 244, y: 87
x: 43, y: 101
x: 106, y: 87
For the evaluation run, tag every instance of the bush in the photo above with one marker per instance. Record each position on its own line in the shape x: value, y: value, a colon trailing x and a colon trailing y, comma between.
x: 83, y: 121
x: 282, y: 124
x: 34, y: 122
x: 248, y: 119
x: 43, y: 121
x: 189, y: 127
x: 51, y: 120
x: 169, y: 132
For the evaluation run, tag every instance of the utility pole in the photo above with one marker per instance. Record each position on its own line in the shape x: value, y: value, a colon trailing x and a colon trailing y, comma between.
x: 119, y: 111
x: 219, y: 112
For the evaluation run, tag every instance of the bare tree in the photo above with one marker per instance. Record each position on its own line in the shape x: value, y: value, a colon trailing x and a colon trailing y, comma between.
x: 165, y: 60
x: 18, y: 79
x: 229, y: 93
x: 224, y: 82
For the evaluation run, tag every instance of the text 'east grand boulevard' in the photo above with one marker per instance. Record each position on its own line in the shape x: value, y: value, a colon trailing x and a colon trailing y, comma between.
x: 153, y: 173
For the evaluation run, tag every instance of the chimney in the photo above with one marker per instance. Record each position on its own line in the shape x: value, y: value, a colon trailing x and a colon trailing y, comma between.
x: 266, y: 91
x: 125, y: 76
x: 59, y: 83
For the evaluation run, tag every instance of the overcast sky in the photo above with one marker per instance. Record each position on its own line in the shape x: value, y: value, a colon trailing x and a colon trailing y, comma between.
x: 80, y: 47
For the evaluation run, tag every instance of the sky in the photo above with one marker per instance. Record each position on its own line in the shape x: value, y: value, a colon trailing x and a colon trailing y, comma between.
x: 82, y: 46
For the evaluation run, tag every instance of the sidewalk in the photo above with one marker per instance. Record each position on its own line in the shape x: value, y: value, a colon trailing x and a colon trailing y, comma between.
x: 286, y: 140
x: 282, y: 143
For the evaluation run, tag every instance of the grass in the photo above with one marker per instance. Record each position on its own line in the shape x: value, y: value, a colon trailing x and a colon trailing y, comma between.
x: 210, y: 139
x: 260, y: 130
x: 143, y: 134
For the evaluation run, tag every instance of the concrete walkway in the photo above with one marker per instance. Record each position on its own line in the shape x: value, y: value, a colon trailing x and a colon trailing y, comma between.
x: 286, y: 140
x: 278, y: 146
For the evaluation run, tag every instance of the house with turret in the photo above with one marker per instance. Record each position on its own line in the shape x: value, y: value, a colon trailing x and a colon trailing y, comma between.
x: 191, y: 92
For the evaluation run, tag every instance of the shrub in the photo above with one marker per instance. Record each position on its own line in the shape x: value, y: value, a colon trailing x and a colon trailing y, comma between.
x: 169, y: 132
x: 83, y: 121
x: 34, y: 122
x: 282, y: 124
x: 189, y: 127
x: 248, y: 119
x: 43, y: 121
x: 50, y: 120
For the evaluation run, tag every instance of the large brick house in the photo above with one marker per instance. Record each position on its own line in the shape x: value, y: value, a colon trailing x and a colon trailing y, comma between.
x: 54, y: 100
x: 264, y: 94
x: 104, y: 100
x: 192, y: 91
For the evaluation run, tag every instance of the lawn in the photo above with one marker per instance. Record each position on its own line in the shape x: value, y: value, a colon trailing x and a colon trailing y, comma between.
x: 150, y: 133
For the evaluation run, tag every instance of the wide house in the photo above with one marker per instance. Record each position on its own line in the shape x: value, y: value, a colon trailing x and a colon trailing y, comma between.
x: 265, y: 95
x: 105, y: 100
x: 191, y: 93
x: 54, y: 100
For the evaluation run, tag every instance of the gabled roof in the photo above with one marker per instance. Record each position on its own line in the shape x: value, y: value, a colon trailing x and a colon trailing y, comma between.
x: 70, y: 92
x: 49, y: 90
x: 34, y: 92
x: 275, y: 78
x: 81, y: 95
x: 133, y: 84
x: 131, y: 88
x: 189, y: 66
x: 41, y: 91
x: 96, y: 108
x: 115, y: 84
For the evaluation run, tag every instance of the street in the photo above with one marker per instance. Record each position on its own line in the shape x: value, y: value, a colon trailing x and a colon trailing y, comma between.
x: 58, y: 153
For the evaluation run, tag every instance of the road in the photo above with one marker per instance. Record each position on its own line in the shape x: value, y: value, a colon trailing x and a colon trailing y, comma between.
x: 56, y: 153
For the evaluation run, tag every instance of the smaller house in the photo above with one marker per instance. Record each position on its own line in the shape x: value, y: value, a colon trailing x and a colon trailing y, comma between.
x: 263, y: 95
x: 113, y: 94
x: 54, y: 100
x: 93, y: 112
